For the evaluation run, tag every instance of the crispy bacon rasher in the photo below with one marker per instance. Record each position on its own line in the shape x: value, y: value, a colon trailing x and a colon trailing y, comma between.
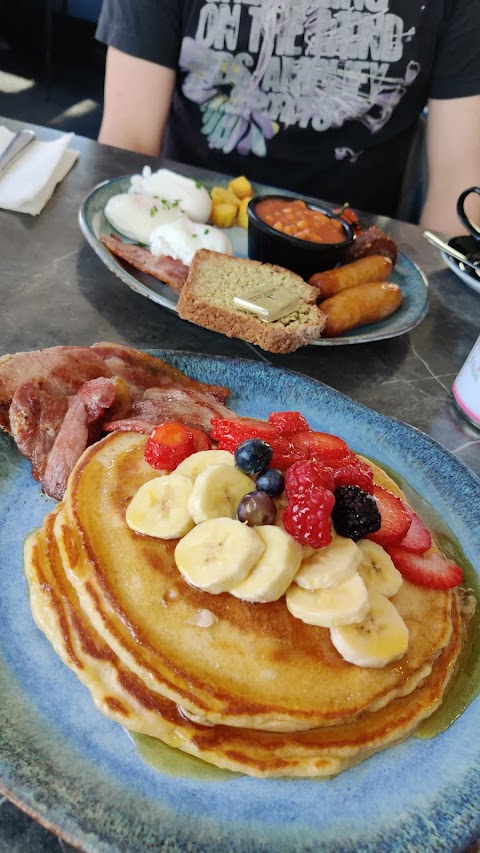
x: 55, y: 402
x: 169, y: 270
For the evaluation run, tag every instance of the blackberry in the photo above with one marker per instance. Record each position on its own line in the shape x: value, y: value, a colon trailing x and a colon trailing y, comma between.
x: 355, y: 513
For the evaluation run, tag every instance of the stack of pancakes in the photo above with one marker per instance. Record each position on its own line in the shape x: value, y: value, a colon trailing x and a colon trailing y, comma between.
x: 250, y: 688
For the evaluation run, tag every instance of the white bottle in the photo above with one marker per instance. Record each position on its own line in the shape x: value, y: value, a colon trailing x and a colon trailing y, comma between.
x: 466, y: 388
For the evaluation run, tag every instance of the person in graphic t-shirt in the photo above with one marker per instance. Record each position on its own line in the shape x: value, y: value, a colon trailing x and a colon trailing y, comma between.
x: 319, y: 96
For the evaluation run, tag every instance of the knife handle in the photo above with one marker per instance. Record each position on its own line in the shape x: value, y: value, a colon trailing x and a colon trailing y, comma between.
x: 19, y: 142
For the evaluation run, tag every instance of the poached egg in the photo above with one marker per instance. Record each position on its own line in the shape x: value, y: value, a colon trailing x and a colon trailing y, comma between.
x: 171, y: 188
x: 168, y: 213
x: 182, y: 238
x: 135, y: 215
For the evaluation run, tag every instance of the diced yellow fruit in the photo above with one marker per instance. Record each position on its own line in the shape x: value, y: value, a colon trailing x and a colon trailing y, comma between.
x: 223, y: 215
x: 221, y: 195
x: 242, y: 212
x: 241, y: 186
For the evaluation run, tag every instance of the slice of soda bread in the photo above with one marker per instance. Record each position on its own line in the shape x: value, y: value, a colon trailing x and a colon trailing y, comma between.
x: 214, y: 279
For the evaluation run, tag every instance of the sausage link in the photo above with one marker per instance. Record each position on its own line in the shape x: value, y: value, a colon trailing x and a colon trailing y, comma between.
x: 373, y: 241
x: 365, y: 303
x: 368, y: 269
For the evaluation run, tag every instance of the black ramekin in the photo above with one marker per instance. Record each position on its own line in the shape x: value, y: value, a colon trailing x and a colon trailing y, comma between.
x: 301, y: 256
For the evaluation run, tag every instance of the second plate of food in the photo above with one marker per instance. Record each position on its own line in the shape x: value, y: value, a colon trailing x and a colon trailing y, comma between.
x: 94, y: 224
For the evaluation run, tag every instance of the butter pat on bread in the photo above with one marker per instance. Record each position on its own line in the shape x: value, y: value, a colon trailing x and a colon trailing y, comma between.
x: 215, y: 279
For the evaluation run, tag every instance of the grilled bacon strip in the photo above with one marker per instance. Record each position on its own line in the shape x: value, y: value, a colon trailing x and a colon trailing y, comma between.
x: 55, y: 402
x: 169, y: 270
x: 189, y: 407
x: 141, y: 371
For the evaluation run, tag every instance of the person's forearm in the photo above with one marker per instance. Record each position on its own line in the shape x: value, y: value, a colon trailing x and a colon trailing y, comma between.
x: 453, y: 157
x: 138, y: 95
x: 121, y: 136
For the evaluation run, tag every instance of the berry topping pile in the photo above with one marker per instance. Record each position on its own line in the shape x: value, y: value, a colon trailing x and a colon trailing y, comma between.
x: 327, y: 488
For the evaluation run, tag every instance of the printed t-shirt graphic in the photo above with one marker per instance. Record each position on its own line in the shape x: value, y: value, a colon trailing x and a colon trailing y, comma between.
x: 328, y: 62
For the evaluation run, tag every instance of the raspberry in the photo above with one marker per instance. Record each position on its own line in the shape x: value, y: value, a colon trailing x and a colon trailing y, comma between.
x: 288, y: 423
x: 305, y: 475
x: 353, y: 472
x: 355, y: 513
x: 307, y: 518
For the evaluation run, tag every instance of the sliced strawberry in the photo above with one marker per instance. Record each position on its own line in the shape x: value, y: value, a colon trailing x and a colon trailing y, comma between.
x: 239, y: 429
x: 432, y: 571
x: 352, y: 471
x: 168, y: 445
x: 200, y: 439
x: 320, y: 445
x: 284, y: 453
x: 417, y: 539
x: 288, y: 423
x: 395, y: 518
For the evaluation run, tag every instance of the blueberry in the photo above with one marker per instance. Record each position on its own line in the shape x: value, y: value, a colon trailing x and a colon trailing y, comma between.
x: 272, y: 482
x: 253, y: 455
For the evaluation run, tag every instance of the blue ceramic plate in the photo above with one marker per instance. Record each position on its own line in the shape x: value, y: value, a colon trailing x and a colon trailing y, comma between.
x: 78, y: 772
x: 93, y: 223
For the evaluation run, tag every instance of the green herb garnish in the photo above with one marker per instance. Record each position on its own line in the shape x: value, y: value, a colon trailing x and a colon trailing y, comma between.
x: 153, y: 210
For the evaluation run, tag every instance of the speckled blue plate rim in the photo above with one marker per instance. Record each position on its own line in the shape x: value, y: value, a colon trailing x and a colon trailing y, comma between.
x: 78, y: 772
x: 407, y: 274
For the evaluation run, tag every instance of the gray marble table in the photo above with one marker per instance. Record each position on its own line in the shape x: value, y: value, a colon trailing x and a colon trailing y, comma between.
x: 55, y: 290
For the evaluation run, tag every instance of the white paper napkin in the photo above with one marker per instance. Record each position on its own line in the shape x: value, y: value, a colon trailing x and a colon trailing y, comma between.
x: 31, y: 179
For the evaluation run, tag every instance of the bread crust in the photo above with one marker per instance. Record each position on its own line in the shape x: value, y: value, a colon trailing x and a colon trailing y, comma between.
x: 273, y: 337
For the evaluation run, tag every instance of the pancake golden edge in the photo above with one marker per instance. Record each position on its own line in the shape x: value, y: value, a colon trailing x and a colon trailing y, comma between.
x: 257, y: 666
x: 124, y: 697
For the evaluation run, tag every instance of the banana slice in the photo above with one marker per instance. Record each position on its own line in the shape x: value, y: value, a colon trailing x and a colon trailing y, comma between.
x: 217, y: 491
x: 377, y: 569
x: 160, y: 507
x: 197, y: 462
x: 330, y: 565
x: 218, y: 554
x: 380, y: 639
x: 341, y: 604
x: 273, y: 573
